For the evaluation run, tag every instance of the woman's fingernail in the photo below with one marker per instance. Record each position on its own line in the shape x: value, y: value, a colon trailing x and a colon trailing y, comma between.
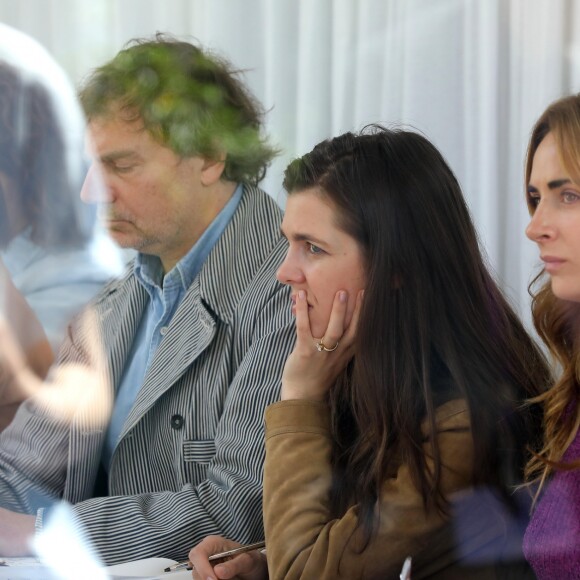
x: 301, y: 294
x: 342, y: 296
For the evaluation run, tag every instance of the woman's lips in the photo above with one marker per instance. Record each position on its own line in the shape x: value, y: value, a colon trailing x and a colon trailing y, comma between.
x: 552, y: 263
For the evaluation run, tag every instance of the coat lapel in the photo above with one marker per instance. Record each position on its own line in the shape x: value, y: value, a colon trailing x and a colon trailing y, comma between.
x: 111, y: 325
x: 190, y: 332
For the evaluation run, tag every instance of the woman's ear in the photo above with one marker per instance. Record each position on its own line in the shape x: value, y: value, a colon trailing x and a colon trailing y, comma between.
x: 212, y: 170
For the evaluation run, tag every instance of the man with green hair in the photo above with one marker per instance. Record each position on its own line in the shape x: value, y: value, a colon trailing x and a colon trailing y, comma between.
x: 193, y: 336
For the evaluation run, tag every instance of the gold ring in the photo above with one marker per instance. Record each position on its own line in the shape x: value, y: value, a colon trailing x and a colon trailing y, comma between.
x: 320, y: 346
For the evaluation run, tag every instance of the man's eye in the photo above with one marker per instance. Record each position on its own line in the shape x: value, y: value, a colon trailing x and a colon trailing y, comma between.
x: 123, y: 168
x: 314, y: 249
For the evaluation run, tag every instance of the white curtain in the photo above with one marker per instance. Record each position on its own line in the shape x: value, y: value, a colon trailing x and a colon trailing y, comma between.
x: 472, y: 75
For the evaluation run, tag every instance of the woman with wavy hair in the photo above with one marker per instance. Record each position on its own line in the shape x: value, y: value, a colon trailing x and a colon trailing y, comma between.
x: 401, y: 430
x: 552, y: 541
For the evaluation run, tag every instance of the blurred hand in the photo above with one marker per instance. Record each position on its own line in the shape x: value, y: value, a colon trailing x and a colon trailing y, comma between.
x: 248, y: 566
x: 24, y: 343
x: 21, y: 319
x: 26, y: 355
x: 16, y: 533
x: 309, y: 373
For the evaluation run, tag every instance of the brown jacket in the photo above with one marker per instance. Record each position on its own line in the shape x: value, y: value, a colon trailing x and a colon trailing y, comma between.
x: 304, y: 542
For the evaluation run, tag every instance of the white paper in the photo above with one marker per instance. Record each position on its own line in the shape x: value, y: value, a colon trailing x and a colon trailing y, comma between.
x: 21, y: 571
x: 147, y: 569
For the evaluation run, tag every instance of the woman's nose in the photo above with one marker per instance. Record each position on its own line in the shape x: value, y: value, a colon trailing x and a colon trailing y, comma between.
x: 541, y: 226
x: 289, y: 272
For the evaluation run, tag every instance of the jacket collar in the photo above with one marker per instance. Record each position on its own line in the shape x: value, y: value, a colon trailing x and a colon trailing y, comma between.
x: 248, y: 240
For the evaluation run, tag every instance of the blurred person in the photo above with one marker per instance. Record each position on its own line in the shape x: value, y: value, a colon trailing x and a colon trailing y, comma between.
x: 194, y: 335
x: 52, y: 258
x: 402, y: 431
x: 552, y: 540
x: 18, y: 321
x: 49, y: 239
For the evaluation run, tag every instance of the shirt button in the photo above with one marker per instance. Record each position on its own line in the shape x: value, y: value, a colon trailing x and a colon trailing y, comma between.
x: 163, y: 330
x: 177, y: 422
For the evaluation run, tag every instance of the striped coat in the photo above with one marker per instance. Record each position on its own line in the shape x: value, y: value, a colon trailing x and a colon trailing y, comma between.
x: 189, y: 462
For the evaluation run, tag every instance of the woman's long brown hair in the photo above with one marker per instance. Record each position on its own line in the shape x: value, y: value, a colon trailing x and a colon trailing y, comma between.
x: 557, y: 321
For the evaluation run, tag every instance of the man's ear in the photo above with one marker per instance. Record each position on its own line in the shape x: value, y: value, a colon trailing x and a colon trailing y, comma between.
x: 212, y: 170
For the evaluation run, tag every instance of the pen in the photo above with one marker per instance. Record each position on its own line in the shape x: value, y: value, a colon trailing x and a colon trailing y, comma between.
x: 218, y: 556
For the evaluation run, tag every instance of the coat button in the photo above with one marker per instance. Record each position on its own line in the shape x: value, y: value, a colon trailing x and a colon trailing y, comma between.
x: 177, y: 422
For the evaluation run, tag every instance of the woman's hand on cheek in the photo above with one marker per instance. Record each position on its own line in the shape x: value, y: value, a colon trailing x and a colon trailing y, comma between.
x: 310, y: 370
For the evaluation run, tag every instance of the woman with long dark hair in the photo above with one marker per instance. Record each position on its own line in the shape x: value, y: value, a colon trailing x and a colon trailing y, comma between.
x: 401, y: 430
x: 552, y: 541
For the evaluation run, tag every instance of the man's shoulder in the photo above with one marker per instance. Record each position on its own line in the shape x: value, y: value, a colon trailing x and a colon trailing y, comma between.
x: 259, y: 243
x: 251, y: 240
x: 239, y: 277
x: 257, y: 204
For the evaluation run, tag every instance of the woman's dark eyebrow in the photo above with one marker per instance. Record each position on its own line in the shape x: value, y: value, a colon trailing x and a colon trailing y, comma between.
x: 554, y: 184
x: 304, y: 238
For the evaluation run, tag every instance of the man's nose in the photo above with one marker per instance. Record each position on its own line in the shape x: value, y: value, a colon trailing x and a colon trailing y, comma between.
x: 95, y: 189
